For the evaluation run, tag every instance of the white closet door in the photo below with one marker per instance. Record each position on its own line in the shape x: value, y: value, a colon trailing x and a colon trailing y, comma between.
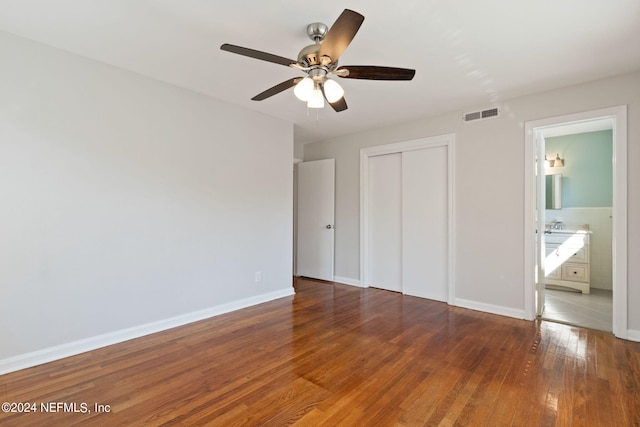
x: 385, y: 222
x: 424, y: 223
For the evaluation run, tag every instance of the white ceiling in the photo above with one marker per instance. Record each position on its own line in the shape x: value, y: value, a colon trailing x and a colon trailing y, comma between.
x: 466, y: 52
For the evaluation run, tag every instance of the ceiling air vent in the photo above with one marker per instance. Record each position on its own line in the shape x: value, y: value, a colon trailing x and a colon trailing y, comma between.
x: 479, y: 115
x: 472, y: 116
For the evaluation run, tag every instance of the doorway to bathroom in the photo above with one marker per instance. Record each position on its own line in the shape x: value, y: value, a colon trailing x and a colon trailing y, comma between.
x: 560, y: 241
x: 578, y: 224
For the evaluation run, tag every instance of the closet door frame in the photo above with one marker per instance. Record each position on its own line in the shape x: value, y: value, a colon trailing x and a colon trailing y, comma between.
x: 447, y: 141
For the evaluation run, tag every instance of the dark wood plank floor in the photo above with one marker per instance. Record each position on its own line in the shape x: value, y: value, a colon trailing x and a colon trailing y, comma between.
x: 340, y: 355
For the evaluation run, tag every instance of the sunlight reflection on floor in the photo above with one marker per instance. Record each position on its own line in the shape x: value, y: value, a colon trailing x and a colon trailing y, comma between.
x: 588, y: 310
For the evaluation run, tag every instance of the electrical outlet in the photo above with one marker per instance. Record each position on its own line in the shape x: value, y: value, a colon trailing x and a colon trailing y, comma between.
x: 258, y: 276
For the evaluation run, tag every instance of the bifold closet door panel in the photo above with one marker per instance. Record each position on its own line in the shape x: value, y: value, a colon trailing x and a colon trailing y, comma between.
x: 385, y: 222
x: 424, y: 223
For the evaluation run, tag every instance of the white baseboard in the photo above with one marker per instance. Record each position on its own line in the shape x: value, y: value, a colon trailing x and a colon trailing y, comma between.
x: 633, y: 335
x: 490, y: 308
x: 347, y: 281
x: 50, y: 354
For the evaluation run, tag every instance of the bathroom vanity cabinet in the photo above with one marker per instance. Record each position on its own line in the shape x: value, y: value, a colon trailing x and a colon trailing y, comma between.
x: 567, y: 261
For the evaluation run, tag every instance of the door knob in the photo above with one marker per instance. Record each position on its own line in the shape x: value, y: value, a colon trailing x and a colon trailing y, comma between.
x: 329, y: 227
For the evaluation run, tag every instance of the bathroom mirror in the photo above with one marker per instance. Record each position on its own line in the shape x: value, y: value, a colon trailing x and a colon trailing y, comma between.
x: 554, y: 191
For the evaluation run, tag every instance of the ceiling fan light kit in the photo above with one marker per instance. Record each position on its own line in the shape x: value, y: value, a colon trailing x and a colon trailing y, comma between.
x: 320, y: 60
x: 304, y: 89
x: 332, y: 90
x: 316, y: 100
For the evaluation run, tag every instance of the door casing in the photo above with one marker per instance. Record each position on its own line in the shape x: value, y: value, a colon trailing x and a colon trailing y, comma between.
x: 619, y: 116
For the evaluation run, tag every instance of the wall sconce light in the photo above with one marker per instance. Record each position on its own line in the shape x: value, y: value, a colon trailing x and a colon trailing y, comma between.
x: 558, y: 162
x: 555, y: 163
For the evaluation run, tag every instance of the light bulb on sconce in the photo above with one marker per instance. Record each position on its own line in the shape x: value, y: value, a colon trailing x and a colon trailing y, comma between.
x: 558, y: 162
x: 553, y: 163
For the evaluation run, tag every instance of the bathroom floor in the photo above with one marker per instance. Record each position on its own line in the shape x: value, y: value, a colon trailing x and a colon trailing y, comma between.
x: 594, y: 310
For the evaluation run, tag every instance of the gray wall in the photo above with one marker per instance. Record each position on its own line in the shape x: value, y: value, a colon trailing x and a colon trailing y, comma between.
x: 126, y: 201
x: 489, y: 223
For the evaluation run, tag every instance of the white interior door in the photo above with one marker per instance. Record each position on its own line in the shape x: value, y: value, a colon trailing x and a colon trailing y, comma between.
x: 316, y: 199
x: 541, y: 200
x: 425, y: 246
x: 385, y: 222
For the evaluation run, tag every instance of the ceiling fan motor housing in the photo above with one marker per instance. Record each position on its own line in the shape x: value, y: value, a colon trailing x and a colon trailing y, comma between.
x: 309, y: 54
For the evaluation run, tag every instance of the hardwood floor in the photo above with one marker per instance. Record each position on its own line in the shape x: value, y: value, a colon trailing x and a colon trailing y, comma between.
x: 340, y: 355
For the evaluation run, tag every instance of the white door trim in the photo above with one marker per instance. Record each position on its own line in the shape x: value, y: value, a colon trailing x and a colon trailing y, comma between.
x: 619, y: 116
x: 447, y: 141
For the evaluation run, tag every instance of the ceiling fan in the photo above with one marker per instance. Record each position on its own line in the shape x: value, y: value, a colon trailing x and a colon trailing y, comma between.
x: 320, y: 61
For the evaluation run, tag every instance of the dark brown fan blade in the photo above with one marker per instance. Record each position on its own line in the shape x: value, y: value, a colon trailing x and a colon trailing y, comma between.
x: 340, y: 35
x: 252, y: 53
x: 276, y: 89
x: 339, y: 105
x: 372, y: 72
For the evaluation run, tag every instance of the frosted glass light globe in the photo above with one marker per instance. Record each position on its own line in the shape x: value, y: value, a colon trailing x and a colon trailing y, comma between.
x: 316, y: 100
x: 333, y: 91
x: 304, y: 89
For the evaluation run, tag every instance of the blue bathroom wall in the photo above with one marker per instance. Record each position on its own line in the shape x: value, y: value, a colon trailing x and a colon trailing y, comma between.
x: 587, y: 174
